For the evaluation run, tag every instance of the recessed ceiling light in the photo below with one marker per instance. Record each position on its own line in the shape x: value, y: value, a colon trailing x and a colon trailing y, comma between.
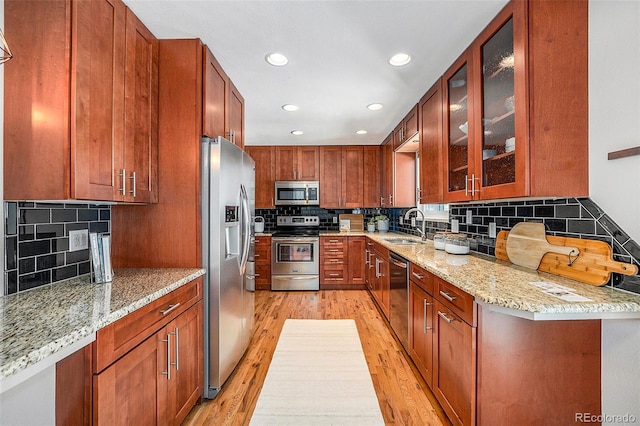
x: 375, y: 107
x: 400, y: 59
x: 276, y: 59
x: 361, y: 132
x: 297, y: 132
x: 289, y: 107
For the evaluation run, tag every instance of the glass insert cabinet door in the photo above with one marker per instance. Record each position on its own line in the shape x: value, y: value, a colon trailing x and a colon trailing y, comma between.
x: 499, y: 144
x: 458, y: 131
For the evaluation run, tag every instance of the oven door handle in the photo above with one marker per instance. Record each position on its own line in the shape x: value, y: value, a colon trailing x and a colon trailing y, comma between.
x: 296, y: 240
x: 295, y: 277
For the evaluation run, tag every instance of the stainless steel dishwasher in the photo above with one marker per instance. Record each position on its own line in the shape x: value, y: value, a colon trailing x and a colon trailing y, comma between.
x: 399, y: 297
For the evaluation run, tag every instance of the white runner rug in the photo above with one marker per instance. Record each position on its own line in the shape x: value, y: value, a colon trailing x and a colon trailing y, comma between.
x: 318, y: 376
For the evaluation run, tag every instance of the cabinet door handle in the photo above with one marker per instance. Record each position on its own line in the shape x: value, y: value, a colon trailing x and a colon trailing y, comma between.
x: 390, y: 199
x: 133, y: 185
x: 424, y: 316
x: 177, y: 363
x: 445, y: 317
x: 168, y: 342
x: 447, y: 296
x: 466, y: 185
x: 170, y: 308
x: 418, y: 276
x: 123, y: 189
x: 382, y: 201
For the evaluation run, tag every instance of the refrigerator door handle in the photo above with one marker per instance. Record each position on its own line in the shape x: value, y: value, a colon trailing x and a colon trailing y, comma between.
x: 246, y: 229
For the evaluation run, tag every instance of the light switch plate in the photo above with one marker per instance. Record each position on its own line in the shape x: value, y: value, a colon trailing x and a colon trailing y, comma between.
x: 335, y: 219
x: 455, y: 228
x: 78, y: 240
x: 469, y: 217
x: 492, y: 230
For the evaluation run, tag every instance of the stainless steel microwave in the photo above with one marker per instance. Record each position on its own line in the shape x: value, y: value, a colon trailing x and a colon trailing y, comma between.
x: 297, y: 193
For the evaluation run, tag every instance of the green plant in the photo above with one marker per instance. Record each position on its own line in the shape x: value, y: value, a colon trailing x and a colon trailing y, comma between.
x: 380, y: 217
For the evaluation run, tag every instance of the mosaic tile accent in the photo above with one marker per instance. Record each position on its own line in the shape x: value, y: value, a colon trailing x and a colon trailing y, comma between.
x: 37, y: 242
x: 566, y: 217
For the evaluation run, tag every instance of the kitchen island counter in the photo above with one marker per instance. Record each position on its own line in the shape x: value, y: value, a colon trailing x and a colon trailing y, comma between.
x: 42, y: 326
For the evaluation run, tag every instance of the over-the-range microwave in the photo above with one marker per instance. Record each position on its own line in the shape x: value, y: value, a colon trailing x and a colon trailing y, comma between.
x: 297, y: 193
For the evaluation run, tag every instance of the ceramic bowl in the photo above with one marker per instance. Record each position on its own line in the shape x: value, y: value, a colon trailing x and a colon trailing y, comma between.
x: 464, y: 128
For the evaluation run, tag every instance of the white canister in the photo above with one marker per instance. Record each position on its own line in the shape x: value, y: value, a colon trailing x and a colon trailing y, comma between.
x: 258, y: 225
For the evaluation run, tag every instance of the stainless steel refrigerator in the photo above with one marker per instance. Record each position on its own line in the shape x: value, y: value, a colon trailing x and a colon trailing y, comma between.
x: 228, y: 194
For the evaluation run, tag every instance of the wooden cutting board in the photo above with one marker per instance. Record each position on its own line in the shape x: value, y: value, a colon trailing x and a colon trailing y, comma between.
x: 593, y: 266
x: 357, y: 221
x: 527, y: 244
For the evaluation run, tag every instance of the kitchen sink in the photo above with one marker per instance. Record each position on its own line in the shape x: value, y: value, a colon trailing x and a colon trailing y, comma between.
x: 401, y: 241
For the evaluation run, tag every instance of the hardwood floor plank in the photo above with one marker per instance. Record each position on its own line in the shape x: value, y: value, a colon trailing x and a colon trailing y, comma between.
x: 402, y: 394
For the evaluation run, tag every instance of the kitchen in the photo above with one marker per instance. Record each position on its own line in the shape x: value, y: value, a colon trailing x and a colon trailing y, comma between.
x: 603, y: 175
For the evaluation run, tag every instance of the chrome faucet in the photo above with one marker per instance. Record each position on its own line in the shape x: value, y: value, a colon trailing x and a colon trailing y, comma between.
x: 424, y: 221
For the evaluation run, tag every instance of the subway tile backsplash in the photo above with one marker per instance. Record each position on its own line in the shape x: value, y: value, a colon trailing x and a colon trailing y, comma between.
x: 566, y: 217
x: 37, y: 242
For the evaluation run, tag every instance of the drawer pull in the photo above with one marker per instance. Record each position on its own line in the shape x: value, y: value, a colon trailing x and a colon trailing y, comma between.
x: 447, y: 296
x: 334, y: 241
x: 256, y: 255
x: 334, y: 275
x: 446, y: 318
x: 418, y: 276
x: 171, y: 308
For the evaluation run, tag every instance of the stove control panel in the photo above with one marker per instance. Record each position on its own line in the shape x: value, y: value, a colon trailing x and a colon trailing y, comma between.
x: 298, y: 221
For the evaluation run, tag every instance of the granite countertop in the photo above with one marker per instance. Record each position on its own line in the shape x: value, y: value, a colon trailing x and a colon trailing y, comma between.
x: 36, y: 324
x: 504, y: 287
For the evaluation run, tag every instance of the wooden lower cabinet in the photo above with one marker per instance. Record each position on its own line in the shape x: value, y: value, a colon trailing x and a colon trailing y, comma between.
x: 159, y: 381
x: 378, y: 278
x: 454, y: 365
x: 421, y: 318
x: 356, y: 261
x: 132, y: 390
x: 262, y: 258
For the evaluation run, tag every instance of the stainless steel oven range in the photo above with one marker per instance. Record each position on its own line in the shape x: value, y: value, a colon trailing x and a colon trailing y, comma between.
x: 295, y: 253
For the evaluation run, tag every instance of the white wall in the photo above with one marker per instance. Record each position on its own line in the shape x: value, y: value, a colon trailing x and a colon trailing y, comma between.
x: 614, y: 124
x: 1, y: 158
x: 614, y: 109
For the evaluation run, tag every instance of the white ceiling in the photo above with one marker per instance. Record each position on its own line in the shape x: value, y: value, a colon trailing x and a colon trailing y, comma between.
x: 338, y: 58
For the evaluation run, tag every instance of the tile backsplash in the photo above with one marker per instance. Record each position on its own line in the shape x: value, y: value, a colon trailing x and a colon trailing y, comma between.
x: 566, y: 217
x: 37, y: 242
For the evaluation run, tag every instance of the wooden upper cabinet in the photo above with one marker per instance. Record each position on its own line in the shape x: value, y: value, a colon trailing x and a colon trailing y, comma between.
x: 93, y: 120
x: 297, y: 163
x: 508, y: 129
x: 331, y: 176
x: 215, y: 91
x: 264, y: 156
x: 372, y: 163
x: 341, y: 176
x: 430, y: 109
x: 141, y: 112
x: 406, y: 128
x: 236, y: 116
x: 387, y: 172
x: 223, y: 112
x: 352, y: 176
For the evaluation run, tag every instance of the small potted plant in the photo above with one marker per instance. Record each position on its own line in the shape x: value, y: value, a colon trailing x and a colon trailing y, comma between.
x: 371, y: 224
x: 383, y: 223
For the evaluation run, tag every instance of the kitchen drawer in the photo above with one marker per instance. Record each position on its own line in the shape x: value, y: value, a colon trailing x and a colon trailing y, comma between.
x: 262, y: 257
x: 333, y: 274
x: 334, y: 242
x: 118, y: 338
x: 263, y: 274
x: 422, y: 277
x: 457, y: 300
x: 329, y: 255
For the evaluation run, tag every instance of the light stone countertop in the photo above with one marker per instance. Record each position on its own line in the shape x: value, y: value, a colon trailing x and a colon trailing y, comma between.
x: 503, y: 287
x: 39, y: 323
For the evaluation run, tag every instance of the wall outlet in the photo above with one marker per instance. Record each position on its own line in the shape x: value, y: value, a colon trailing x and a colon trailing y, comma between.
x: 401, y: 220
x: 492, y: 230
x: 413, y: 221
x: 335, y: 219
x: 455, y: 228
x: 469, y: 216
x: 78, y: 240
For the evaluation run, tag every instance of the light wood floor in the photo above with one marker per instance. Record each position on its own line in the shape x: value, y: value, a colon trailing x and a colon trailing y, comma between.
x: 403, y: 396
